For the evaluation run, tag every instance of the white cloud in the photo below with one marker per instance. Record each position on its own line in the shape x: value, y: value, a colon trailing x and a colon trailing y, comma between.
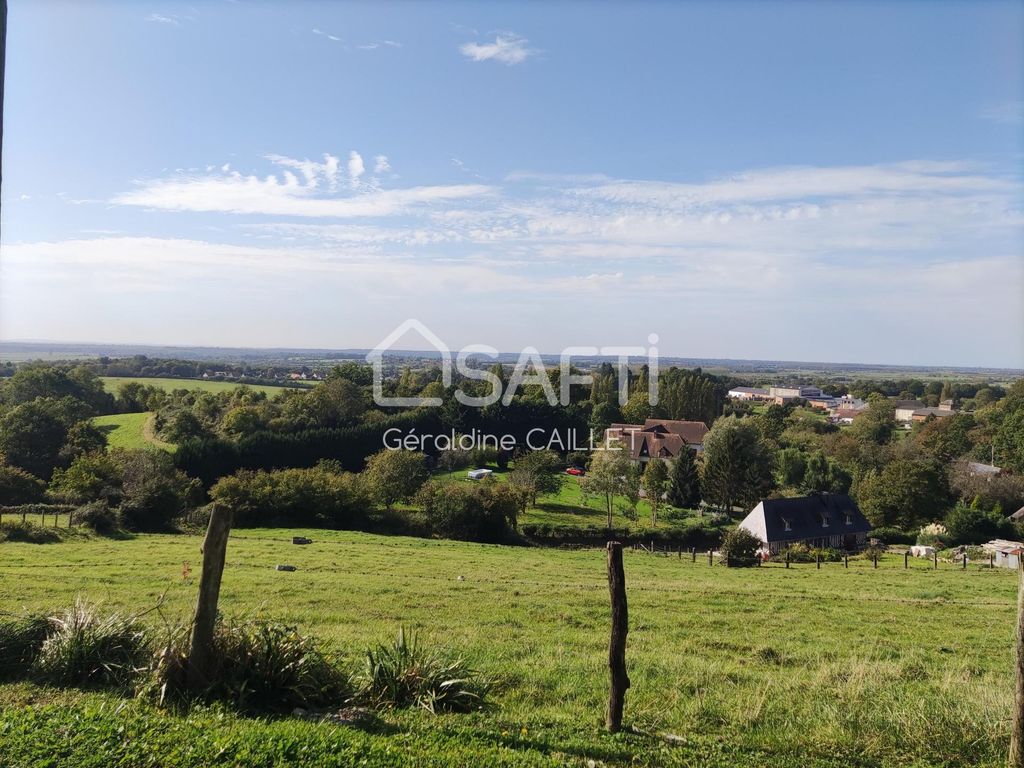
x: 381, y: 164
x: 160, y: 18
x: 355, y: 167
x: 508, y: 48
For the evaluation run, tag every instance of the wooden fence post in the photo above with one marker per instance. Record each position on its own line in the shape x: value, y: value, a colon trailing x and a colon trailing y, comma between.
x: 787, y: 557
x: 617, y: 643
x: 935, y: 560
x: 817, y: 559
x: 965, y: 560
x: 710, y: 561
x: 874, y: 556
x: 846, y: 559
x: 1017, y: 726
x: 906, y: 559
x: 200, y: 653
x: 693, y: 551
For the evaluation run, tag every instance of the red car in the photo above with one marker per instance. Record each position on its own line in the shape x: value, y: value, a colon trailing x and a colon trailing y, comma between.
x: 575, y: 472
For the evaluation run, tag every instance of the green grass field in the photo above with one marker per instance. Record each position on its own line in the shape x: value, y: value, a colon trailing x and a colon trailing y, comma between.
x: 112, y: 383
x: 131, y: 430
x: 747, y: 667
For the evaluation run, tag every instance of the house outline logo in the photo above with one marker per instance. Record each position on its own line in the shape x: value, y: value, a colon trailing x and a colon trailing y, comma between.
x: 376, y: 358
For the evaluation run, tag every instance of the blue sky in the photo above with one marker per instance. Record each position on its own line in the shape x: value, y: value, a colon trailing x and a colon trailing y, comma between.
x: 767, y: 180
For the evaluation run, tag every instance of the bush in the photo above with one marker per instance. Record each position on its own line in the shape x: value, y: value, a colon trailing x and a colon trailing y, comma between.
x: 967, y: 525
x: 85, y: 648
x: 20, y: 641
x: 98, y: 517
x: 29, y: 533
x: 894, y: 536
x: 799, y: 552
x: 739, y: 548
x: 406, y: 674
x: 484, y: 511
x: 259, y: 666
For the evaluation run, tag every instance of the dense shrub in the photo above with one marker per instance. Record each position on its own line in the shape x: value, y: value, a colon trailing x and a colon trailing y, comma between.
x: 483, y: 511
x: 739, y: 548
x: 19, y: 487
x: 321, y: 496
x: 799, y: 552
x: 20, y: 641
x: 259, y: 666
x: 29, y: 533
x: 97, y: 517
x: 967, y: 525
x: 894, y: 536
x: 84, y: 647
x: 405, y: 673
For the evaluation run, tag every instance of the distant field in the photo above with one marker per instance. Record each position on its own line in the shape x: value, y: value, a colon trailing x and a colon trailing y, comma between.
x: 131, y: 430
x: 111, y: 384
x: 796, y: 668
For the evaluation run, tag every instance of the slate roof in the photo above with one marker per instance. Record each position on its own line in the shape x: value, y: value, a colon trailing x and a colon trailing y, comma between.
x: 661, y: 438
x: 805, y: 517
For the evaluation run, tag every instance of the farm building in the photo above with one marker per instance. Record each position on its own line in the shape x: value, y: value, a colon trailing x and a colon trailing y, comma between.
x: 904, y: 410
x: 819, y: 520
x: 1006, y: 554
x: 748, y: 393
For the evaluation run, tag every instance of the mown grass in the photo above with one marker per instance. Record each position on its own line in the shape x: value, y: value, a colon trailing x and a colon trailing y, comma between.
x: 113, y: 383
x: 570, y: 506
x: 763, y: 666
x: 133, y: 431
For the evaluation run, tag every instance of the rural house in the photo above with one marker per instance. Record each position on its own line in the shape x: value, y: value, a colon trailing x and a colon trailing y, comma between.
x: 658, y: 438
x: 904, y: 410
x: 819, y: 520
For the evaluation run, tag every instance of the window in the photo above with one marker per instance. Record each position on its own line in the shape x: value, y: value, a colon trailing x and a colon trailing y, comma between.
x: 787, y: 526
x: 849, y: 519
x: 824, y: 521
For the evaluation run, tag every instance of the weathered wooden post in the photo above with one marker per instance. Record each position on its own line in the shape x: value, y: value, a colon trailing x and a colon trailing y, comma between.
x: 906, y: 559
x: 693, y: 551
x: 787, y: 557
x: 710, y: 561
x: 846, y: 560
x: 200, y: 653
x: 874, y: 556
x: 935, y: 559
x: 1017, y: 726
x: 817, y: 559
x: 617, y: 643
x: 965, y: 560
x: 991, y: 560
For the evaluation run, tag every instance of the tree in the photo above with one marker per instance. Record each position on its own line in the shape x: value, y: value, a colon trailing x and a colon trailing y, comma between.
x: 482, y: 511
x: 394, y: 476
x: 822, y: 475
x: 655, y: 483
x: 736, y: 465
x: 792, y: 464
x: 91, y: 477
x: 19, y: 487
x: 535, y: 473
x: 683, y: 481
x: 878, y: 423
x: 32, y: 434
x: 904, y: 494
x: 607, y: 476
x: 603, y: 416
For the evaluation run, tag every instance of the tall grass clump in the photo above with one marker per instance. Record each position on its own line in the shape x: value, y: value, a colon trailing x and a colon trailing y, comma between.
x: 405, y: 673
x: 259, y: 666
x: 84, y: 647
x: 20, y: 641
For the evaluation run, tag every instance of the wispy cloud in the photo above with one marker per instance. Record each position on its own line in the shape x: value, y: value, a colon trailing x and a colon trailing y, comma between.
x: 229, y: 191
x: 508, y: 48
x: 159, y: 18
x: 329, y: 36
x: 381, y: 164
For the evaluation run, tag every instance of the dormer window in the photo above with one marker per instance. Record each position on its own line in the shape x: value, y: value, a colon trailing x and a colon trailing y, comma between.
x: 786, y: 524
x: 824, y: 521
x: 849, y: 519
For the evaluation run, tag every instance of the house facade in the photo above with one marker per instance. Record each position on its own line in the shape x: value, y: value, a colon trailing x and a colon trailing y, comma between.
x: 820, y: 520
x: 658, y: 438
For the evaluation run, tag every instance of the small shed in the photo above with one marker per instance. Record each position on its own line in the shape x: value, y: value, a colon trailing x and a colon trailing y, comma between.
x: 479, y: 474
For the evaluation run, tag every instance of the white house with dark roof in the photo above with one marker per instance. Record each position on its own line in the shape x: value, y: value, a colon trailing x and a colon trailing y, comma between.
x: 820, y: 520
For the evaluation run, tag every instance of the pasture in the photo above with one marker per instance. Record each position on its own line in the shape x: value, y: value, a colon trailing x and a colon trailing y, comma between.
x: 131, y: 431
x: 744, y: 667
x: 113, y: 383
